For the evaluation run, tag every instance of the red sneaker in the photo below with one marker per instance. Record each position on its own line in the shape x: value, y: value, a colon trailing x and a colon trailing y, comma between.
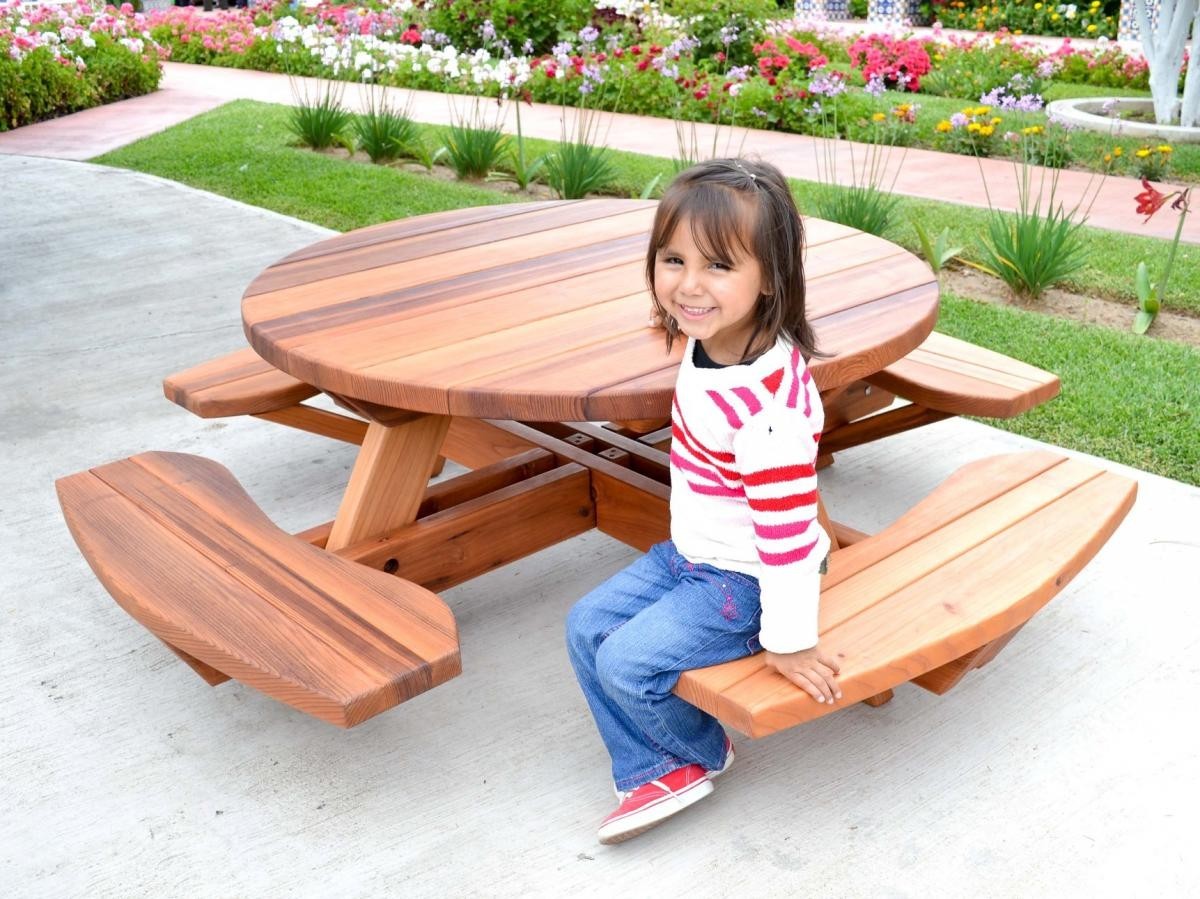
x: 654, y: 802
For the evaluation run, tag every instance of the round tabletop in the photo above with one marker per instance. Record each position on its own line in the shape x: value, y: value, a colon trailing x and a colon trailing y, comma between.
x: 537, y: 311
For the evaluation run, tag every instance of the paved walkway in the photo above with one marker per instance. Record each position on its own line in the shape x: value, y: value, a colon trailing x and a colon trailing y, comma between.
x: 190, y: 89
x: 1066, y: 768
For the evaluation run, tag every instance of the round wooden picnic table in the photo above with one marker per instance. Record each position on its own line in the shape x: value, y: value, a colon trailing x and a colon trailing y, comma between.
x: 534, y: 311
x: 538, y: 311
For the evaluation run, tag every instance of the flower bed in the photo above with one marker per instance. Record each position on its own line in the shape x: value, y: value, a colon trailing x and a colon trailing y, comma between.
x: 1089, y: 18
x: 56, y: 59
x: 631, y: 57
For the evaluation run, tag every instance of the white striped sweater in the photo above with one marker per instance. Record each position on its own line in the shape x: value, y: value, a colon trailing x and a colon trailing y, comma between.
x: 744, y: 483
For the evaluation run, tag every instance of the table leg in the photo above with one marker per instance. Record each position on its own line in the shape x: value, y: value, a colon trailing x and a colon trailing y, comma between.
x: 389, y: 479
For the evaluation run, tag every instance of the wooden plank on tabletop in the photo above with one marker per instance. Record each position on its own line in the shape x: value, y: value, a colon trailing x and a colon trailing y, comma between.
x: 409, y: 247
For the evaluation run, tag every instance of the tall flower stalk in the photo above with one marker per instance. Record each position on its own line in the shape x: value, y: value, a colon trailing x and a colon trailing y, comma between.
x: 1150, y: 295
x: 868, y: 202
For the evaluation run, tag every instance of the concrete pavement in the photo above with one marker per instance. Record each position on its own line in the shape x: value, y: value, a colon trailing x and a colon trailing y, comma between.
x: 1065, y: 768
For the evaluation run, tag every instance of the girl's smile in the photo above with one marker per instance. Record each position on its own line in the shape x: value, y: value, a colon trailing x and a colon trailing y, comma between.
x: 713, y: 300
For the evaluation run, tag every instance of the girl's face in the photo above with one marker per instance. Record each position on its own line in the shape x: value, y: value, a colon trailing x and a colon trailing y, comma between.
x: 712, y: 299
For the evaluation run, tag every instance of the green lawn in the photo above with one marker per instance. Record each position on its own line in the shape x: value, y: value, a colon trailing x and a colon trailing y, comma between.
x: 1134, y: 400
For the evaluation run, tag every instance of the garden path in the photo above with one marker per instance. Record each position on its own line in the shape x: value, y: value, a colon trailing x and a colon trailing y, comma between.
x: 188, y: 90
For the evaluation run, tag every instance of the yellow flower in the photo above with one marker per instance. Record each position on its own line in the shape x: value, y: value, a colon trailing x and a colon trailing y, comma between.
x: 987, y: 131
x: 1107, y: 157
x: 943, y: 126
x: 1164, y: 149
x: 996, y: 120
x: 982, y: 110
x: 973, y: 127
x: 1037, y: 6
x: 1018, y: 31
x: 1055, y: 17
x: 1091, y: 28
x: 878, y: 117
x: 1117, y: 151
x: 1142, y: 153
x: 1032, y: 129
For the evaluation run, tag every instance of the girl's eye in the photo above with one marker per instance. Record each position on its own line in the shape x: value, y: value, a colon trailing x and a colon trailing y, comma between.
x: 720, y: 266
x: 672, y: 260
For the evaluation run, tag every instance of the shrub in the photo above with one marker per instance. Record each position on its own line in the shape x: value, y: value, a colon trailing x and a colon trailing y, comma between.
x: 541, y: 24
x: 474, y: 146
x: 900, y: 63
x: 972, y: 70
x: 385, y: 133
x: 727, y: 27
x: 56, y: 60
x: 320, y: 122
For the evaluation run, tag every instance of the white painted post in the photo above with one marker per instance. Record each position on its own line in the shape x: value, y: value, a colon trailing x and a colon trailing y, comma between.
x: 1189, y: 114
x: 1163, y: 43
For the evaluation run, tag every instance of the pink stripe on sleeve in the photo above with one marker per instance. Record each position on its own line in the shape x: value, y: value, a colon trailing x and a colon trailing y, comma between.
x: 781, y: 531
x: 787, y: 558
x: 794, y: 390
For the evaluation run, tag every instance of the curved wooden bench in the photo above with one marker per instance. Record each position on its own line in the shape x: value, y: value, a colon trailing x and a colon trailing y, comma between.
x: 943, y: 377
x: 184, y: 550
x: 238, y: 383
x: 938, y: 592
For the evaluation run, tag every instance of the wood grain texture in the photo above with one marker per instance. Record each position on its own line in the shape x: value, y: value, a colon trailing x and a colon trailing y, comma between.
x: 186, y: 552
x: 540, y: 314
x: 957, y: 377
x: 238, y: 383
x: 965, y: 567
x: 389, y: 478
x: 476, y: 536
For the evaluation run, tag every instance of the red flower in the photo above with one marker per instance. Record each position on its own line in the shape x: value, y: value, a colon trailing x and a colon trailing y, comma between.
x: 643, y: 65
x: 1149, y: 201
x: 635, y: 50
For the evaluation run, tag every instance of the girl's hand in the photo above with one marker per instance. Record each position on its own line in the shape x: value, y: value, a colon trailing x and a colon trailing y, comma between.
x: 811, y: 670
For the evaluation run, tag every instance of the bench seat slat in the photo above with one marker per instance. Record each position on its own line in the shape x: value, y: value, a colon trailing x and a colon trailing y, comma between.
x: 952, y: 375
x: 349, y: 602
x: 238, y: 383
x: 935, y: 596
x: 248, y: 639
x: 185, y: 551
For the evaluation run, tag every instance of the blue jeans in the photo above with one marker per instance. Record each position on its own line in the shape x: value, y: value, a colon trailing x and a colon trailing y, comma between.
x: 630, y: 638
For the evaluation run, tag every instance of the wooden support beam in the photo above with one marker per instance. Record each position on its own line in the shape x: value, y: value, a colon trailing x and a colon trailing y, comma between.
x: 475, y: 443
x: 940, y: 680
x: 876, y: 427
x: 389, y: 477
x: 482, y: 534
x: 632, y: 508
x: 469, y: 486
x: 319, y: 421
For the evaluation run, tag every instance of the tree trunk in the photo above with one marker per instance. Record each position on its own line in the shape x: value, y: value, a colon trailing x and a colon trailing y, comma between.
x: 1189, y: 114
x: 1163, y: 48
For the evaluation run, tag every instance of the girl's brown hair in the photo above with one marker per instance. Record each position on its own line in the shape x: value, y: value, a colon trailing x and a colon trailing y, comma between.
x: 745, y: 205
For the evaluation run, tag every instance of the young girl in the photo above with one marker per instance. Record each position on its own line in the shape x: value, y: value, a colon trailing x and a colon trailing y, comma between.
x: 743, y: 566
